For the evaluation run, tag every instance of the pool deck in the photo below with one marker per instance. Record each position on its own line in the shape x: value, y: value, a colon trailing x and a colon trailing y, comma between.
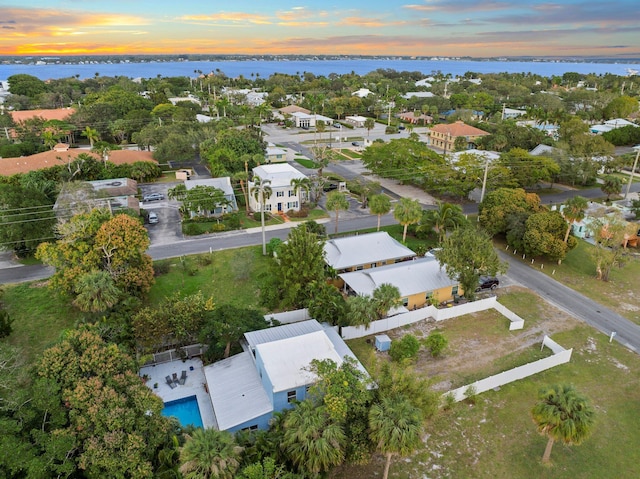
x: 195, y: 385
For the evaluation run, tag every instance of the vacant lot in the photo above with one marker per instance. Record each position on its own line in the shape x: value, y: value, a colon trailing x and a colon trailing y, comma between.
x: 495, y: 438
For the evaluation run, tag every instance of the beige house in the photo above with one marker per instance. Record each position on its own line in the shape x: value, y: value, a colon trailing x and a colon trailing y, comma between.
x: 444, y: 135
x: 420, y: 282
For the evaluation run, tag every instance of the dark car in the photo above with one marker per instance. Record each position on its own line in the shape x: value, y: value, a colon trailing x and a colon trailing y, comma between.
x: 329, y: 187
x: 355, y: 143
x: 401, y: 127
x: 488, y: 282
x: 153, y: 197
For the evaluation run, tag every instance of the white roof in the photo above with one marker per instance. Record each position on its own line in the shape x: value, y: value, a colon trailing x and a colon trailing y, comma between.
x: 424, y: 82
x: 489, y: 155
x: 236, y: 391
x: 341, y: 253
x: 355, y: 118
x: 286, y: 361
x: 619, y: 122
x: 418, y: 94
x: 410, y: 277
x: 280, y: 174
x: 223, y: 183
x: 362, y: 92
x: 274, y: 150
x: 277, y: 333
x: 542, y: 150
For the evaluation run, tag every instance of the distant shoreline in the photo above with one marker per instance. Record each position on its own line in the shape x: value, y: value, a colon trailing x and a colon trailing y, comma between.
x: 149, y: 66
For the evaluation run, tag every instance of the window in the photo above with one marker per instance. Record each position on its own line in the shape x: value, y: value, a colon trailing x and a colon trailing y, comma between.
x: 429, y: 295
x: 279, y: 194
x: 405, y: 302
x: 454, y: 290
x: 291, y: 193
x: 292, y: 204
x: 267, y: 207
x: 253, y: 427
x: 359, y: 268
x: 291, y: 396
x: 373, y: 265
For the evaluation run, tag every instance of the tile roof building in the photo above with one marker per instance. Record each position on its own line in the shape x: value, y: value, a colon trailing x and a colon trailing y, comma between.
x: 444, y: 135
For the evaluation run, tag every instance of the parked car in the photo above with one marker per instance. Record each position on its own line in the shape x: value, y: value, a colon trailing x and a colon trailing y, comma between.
x: 153, y: 218
x: 401, y: 127
x: 329, y: 187
x: 153, y: 197
x: 487, y: 282
x: 355, y: 143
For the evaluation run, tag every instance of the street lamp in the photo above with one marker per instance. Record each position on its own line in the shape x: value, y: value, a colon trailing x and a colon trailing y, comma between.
x: 633, y: 169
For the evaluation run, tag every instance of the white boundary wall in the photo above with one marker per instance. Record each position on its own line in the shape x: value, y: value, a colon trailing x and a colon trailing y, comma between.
x: 560, y: 356
x: 288, y: 317
x: 399, y: 320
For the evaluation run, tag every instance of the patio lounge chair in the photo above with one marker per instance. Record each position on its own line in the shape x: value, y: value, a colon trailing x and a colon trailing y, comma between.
x: 183, y: 377
x: 170, y: 382
x: 175, y: 379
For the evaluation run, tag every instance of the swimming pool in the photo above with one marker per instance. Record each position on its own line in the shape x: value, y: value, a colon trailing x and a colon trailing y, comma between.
x: 186, y: 410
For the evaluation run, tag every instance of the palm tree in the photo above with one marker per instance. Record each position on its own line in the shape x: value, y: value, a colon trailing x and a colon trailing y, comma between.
x: 241, y: 177
x: 321, y: 126
x: 91, y: 134
x: 574, y: 211
x: 261, y: 192
x: 312, y: 441
x: 361, y: 310
x: 562, y: 414
x: 407, y: 212
x: 369, y: 124
x: 209, y: 454
x: 299, y: 185
x: 395, y: 426
x: 380, y: 205
x: 446, y: 217
x: 336, y: 201
x: 612, y: 185
x: 386, y: 296
x: 96, y: 291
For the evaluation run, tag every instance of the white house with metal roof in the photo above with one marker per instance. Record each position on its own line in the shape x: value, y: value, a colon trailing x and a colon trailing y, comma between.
x: 419, y: 281
x: 283, y: 196
x: 372, y: 250
x: 221, y: 183
x: 273, y: 373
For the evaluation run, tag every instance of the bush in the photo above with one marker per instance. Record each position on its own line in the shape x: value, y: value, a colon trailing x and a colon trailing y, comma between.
x: 217, y: 227
x: 257, y: 216
x: 471, y: 394
x: 436, y: 343
x: 233, y: 221
x: 190, y: 229
x: 303, y: 213
x: 5, y: 324
x: 161, y: 268
x: 405, y: 349
x: 273, y: 245
x: 390, y: 130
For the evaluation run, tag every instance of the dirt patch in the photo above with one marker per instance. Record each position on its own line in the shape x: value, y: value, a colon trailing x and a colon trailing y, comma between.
x: 477, y: 341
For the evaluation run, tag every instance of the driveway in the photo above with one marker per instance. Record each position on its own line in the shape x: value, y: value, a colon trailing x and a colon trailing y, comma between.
x: 168, y: 229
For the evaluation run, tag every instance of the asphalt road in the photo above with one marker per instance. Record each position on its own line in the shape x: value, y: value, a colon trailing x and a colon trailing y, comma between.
x: 574, y: 303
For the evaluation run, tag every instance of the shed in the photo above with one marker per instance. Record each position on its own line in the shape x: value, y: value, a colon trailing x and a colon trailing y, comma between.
x: 383, y: 342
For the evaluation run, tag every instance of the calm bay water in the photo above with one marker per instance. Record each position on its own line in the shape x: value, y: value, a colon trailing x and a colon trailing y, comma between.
x: 251, y: 68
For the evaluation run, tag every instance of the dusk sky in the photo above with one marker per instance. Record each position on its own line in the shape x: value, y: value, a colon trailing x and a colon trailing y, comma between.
x: 359, y: 27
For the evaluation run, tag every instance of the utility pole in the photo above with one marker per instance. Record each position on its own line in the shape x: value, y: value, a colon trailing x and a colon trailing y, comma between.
x: 484, y: 180
x: 633, y: 169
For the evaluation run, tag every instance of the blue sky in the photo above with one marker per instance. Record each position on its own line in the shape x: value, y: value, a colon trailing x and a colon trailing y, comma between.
x: 419, y: 27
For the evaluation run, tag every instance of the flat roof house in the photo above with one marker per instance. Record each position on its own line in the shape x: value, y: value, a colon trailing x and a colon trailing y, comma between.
x: 283, y: 196
x: 271, y: 374
x: 372, y: 250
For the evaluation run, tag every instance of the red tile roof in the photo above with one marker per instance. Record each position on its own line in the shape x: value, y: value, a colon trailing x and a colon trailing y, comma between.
x: 458, y: 128
x: 57, y: 114
x: 47, y: 159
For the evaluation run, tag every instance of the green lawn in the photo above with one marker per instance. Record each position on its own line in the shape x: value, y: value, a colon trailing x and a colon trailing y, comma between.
x: 496, y: 438
x: 306, y: 162
x: 39, y: 317
x: 230, y: 277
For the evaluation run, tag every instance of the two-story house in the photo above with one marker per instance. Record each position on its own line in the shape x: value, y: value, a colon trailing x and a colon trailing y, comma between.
x: 444, y: 135
x: 284, y: 196
x: 271, y: 374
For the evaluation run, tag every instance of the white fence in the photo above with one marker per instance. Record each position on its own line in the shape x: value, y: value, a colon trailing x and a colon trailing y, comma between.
x: 289, y: 316
x: 560, y: 356
x: 410, y: 317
